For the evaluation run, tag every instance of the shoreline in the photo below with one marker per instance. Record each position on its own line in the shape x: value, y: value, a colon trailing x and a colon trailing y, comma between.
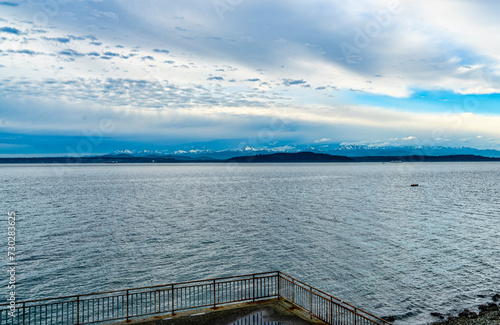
x: 488, y: 314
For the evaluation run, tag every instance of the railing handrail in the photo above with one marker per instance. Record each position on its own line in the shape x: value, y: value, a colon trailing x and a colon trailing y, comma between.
x: 276, y: 273
x: 257, y: 291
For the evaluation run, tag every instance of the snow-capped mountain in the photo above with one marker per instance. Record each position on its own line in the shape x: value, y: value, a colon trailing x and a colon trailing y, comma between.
x: 343, y: 150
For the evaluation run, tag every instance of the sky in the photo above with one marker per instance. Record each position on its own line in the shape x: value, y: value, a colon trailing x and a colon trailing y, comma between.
x: 80, y: 77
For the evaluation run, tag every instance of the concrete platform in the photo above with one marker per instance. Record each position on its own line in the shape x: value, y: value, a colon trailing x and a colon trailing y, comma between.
x: 267, y: 312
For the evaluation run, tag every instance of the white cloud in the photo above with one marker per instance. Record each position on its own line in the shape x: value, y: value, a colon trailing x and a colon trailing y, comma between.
x: 253, y: 65
x: 417, y: 47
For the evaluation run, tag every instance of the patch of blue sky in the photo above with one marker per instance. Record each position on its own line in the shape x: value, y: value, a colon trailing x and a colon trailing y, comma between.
x: 65, y: 145
x: 432, y: 101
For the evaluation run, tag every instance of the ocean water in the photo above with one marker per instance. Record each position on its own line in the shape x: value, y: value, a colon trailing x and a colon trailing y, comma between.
x: 357, y: 231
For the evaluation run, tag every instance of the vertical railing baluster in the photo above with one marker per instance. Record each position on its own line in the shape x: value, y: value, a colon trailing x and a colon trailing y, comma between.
x: 127, y: 306
x: 172, y: 297
x: 159, y: 301
x: 310, y: 302
x: 330, y: 319
x: 77, y: 310
x: 278, y: 276
x: 215, y: 302
x: 331, y: 310
x: 253, y: 287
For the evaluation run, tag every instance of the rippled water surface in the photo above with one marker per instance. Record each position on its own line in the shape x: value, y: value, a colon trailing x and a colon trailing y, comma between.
x: 358, y: 231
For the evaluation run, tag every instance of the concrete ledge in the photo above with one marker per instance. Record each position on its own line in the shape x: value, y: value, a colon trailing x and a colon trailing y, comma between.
x: 270, y: 310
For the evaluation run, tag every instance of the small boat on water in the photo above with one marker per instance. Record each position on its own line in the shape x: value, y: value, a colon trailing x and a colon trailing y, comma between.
x: 414, y: 185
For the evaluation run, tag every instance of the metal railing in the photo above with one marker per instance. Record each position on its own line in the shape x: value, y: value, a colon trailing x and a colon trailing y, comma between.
x: 322, y: 305
x: 168, y: 299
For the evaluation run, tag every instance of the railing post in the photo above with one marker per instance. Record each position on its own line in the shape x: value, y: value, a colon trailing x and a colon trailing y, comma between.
x: 127, y: 306
x: 172, y: 298
x: 331, y: 310
x: 24, y: 311
x: 77, y: 310
x: 293, y: 290
x: 355, y: 318
x: 253, y: 287
x: 279, y: 284
x: 310, y: 302
x: 215, y: 296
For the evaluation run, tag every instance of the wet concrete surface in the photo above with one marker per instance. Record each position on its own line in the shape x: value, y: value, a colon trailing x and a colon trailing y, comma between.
x: 272, y: 313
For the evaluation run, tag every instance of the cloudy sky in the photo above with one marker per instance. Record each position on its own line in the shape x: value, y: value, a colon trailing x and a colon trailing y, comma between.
x: 90, y: 76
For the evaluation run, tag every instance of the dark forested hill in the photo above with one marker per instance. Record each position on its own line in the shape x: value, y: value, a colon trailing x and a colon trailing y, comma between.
x: 291, y: 157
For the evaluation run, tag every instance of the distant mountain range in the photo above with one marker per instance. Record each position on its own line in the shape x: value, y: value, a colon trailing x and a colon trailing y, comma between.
x: 283, y: 157
x: 340, y: 150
